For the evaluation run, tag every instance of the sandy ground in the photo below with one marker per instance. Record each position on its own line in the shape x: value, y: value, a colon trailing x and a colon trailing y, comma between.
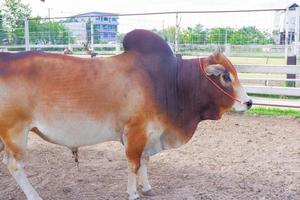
x: 238, y: 157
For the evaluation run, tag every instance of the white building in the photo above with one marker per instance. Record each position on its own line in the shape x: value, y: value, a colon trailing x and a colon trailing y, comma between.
x: 105, y: 26
x: 77, y: 30
x: 279, y: 25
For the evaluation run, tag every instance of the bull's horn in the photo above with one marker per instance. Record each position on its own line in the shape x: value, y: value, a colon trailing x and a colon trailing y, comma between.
x: 219, y: 50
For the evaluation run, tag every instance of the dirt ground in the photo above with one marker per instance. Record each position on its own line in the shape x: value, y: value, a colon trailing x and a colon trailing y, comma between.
x: 238, y: 157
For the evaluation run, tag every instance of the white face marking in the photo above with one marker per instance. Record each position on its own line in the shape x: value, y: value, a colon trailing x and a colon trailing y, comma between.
x: 243, y: 97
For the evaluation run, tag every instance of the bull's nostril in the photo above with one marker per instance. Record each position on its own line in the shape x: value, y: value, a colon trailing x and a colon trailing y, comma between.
x: 249, y: 104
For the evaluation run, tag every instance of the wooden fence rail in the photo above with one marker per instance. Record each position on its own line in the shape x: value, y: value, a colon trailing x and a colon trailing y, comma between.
x: 272, y: 90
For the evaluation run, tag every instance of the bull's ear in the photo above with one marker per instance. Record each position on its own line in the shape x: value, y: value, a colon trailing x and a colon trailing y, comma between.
x: 215, y: 70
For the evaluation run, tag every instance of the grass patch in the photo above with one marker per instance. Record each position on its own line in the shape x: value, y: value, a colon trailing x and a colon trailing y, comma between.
x: 273, y: 112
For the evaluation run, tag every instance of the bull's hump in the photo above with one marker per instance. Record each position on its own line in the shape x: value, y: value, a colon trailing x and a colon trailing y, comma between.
x: 146, y: 42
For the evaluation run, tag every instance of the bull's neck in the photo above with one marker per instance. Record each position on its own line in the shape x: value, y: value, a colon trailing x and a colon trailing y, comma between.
x: 187, y: 83
x: 194, y: 103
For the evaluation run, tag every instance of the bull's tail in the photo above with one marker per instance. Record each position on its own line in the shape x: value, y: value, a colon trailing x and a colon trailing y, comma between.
x: 1, y: 145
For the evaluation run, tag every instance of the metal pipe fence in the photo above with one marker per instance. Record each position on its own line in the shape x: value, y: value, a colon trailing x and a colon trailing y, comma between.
x: 187, y: 32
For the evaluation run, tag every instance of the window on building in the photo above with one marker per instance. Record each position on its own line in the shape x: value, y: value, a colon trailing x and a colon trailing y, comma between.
x: 105, y: 19
x: 112, y: 35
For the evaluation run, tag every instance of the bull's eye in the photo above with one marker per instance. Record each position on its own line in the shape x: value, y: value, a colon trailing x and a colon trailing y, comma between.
x: 226, y: 77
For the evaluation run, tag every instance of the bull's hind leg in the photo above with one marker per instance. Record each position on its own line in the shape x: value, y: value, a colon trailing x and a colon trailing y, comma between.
x: 15, y: 141
x: 143, y: 178
x: 135, y: 139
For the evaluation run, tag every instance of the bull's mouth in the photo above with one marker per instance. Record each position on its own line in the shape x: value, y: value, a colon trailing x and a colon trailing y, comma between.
x: 239, y: 111
x: 242, y: 107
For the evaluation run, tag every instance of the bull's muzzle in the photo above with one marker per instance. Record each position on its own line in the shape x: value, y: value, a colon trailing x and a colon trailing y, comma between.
x: 249, y: 104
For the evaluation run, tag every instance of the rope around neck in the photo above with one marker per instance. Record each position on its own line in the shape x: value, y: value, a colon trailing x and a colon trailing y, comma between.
x: 216, y: 85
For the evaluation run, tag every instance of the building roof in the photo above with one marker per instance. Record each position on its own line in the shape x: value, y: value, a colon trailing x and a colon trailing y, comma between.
x: 293, y: 6
x: 95, y: 14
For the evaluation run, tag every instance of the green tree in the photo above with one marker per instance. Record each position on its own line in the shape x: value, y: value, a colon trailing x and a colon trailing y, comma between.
x: 219, y: 35
x: 48, y: 32
x: 14, y: 12
x: 120, y: 37
x: 1, y: 21
x: 250, y: 35
x: 195, y: 35
x: 168, y: 34
x: 3, y: 34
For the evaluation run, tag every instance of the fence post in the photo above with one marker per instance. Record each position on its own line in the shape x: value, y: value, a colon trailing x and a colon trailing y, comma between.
x: 291, y: 60
x: 176, y: 34
x: 69, y: 41
x: 296, y: 43
x: 92, y: 33
x: 27, y: 45
x: 118, y: 48
x: 286, y: 27
x: 227, y: 49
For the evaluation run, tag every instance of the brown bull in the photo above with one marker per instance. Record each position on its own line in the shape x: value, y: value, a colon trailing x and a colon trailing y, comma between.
x: 145, y: 98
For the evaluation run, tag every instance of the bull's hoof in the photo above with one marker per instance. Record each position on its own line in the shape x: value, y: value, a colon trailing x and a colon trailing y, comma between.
x: 135, y: 197
x: 148, y: 193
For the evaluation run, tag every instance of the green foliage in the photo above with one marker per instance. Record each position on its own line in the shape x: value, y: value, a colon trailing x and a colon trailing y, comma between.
x: 273, y: 112
x: 168, y: 34
x: 290, y: 84
x: 193, y: 35
x: 13, y: 13
x: 250, y: 35
x: 12, y: 29
x: 218, y: 35
x: 3, y: 33
x: 120, y: 37
x: 48, y: 32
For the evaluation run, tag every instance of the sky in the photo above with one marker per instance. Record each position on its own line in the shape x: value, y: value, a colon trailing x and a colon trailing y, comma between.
x: 263, y: 20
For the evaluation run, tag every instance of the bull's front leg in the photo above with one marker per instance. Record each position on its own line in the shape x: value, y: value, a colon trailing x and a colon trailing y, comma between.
x: 131, y: 184
x: 135, y: 139
x: 15, y: 141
